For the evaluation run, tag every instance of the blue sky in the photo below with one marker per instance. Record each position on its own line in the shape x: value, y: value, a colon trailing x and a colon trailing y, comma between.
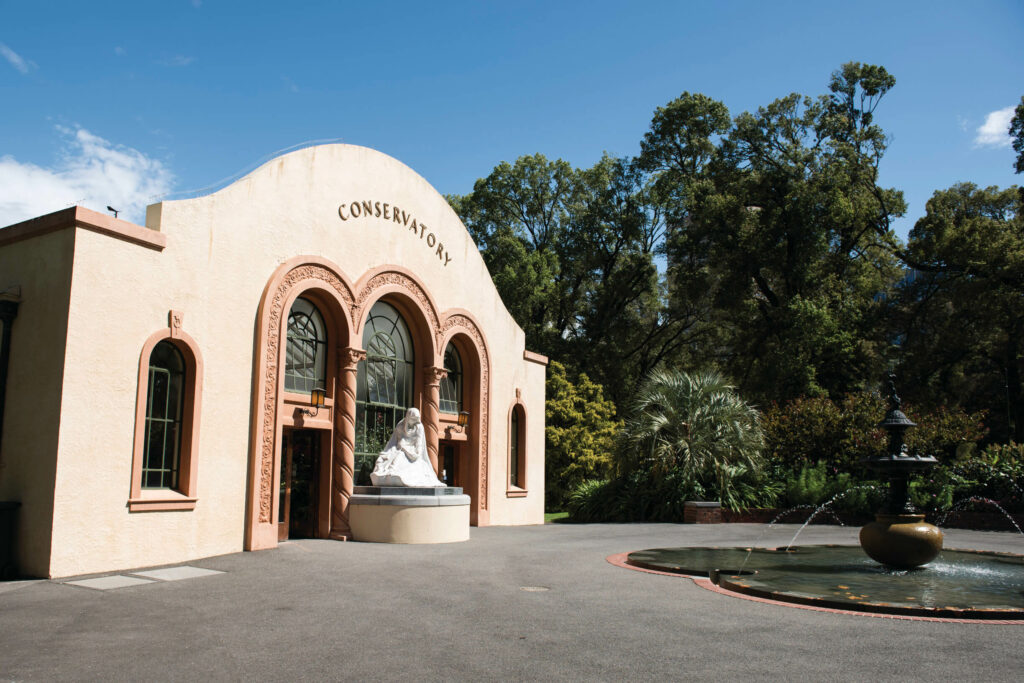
x: 127, y: 101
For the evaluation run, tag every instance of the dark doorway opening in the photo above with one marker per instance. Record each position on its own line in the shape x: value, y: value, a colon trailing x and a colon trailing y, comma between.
x: 450, y: 470
x: 300, y: 484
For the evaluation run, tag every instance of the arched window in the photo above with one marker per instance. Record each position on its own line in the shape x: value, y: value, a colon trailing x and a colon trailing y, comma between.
x: 451, y: 386
x: 165, y: 403
x: 305, y: 365
x: 516, y: 451
x: 384, y: 385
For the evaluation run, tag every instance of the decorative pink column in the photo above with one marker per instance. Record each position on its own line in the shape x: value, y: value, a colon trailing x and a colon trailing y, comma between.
x: 342, y: 477
x: 431, y: 413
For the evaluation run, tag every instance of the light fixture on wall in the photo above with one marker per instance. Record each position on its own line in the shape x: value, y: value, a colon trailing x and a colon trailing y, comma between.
x: 463, y: 420
x: 316, y: 399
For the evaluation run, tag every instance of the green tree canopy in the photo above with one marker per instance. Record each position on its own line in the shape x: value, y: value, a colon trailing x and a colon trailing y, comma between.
x: 962, y: 309
x: 572, y: 253
x: 781, y: 236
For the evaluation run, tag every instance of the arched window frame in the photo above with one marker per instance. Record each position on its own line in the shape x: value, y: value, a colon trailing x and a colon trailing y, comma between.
x: 184, y: 496
x: 395, y: 409
x: 451, y: 388
x: 320, y: 344
x: 516, y: 460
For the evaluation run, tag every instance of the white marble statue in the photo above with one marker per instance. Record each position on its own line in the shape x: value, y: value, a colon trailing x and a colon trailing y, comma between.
x: 404, y: 461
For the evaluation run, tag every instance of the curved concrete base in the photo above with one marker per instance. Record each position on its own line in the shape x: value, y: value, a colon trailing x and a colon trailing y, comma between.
x: 409, y: 515
x: 409, y: 523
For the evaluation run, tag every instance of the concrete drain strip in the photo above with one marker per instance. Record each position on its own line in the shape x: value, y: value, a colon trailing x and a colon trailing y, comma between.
x: 105, y: 583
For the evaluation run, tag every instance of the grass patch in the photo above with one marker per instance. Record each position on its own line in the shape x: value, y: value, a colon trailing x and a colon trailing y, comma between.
x: 550, y: 517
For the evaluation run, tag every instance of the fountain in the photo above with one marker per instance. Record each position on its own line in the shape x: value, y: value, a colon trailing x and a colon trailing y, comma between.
x: 899, y: 537
x: 895, y: 580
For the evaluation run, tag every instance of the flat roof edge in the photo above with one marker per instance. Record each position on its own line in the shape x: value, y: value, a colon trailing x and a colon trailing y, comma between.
x: 535, y: 357
x: 81, y: 217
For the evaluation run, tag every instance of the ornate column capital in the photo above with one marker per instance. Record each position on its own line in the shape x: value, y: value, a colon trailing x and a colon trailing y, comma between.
x: 350, y: 357
x: 432, y: 376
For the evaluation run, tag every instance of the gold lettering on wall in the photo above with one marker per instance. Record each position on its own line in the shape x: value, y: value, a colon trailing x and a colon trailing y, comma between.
x: 384, y: 210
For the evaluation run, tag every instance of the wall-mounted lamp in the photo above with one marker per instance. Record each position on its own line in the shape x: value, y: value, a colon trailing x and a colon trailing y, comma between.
x: 316, y: 399
x: 463, y: 420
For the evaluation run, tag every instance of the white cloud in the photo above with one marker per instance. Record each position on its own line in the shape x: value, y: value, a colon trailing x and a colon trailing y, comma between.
x: 995, y: 131
x: 177, y: 60
x: 16, y: 60
x: 92, y: 172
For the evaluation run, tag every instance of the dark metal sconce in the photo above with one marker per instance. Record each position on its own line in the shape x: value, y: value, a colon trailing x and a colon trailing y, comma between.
x: 316, y: 400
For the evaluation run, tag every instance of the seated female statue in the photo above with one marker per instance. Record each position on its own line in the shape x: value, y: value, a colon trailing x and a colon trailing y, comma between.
x: 404, y: 461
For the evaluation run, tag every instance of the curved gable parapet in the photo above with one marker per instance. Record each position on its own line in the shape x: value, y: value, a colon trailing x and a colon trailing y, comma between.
x: 352, y: 205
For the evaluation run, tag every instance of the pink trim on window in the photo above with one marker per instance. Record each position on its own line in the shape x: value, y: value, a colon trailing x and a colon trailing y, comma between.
x: 184, y: 497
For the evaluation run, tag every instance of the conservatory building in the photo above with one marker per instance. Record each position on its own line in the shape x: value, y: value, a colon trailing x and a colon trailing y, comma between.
x: 223, y: 377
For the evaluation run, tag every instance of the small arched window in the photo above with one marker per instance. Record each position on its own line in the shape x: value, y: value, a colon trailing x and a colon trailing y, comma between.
x: 305, y: 365
x: 165, y: 450
x: 165, y: 403
x: 451, y: 386
x: 517, y: 451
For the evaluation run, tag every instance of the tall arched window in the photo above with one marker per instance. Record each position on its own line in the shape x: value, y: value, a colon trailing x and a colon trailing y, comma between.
x: 384, y: 385
x: 451, y: 386
x: 165, y: 403
x: 305, y: 365
x: 516, y: 452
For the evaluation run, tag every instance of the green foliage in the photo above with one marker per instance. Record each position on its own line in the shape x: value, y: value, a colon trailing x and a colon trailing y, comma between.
x: 580, y: 433
x: 815, y: 485
x: 967, y: 485
x: 691, y: 437
x: 1003, y: 454
x: 572, y: 254
x: 839, y: 435
x: 780, y: 234
x: 647, y: 495
x: 1017, y: 133
x: 692, y: 423
x: 960, y: 315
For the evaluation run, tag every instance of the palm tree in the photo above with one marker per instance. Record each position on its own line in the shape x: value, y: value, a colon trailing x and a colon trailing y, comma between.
x: 695, y: 424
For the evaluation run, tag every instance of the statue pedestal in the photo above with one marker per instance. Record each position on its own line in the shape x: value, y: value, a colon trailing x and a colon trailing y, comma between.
x: 398, y: 514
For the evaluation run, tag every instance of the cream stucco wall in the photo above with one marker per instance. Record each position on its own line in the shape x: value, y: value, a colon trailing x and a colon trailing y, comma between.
x: 42, y: 268
x: 221, y: 250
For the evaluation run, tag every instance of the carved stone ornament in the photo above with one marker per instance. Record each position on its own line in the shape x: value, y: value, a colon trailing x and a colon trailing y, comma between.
x: 271, y: 358
x: 464, y: 324
x: 433, y: 375
x: 403, y: 282
x: 351, y: 357
x: 175, y: 319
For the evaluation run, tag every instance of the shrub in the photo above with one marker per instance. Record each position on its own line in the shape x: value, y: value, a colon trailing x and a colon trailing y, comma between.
x: 693, y: 425
x: 580, y: 431
x: 817, y: 430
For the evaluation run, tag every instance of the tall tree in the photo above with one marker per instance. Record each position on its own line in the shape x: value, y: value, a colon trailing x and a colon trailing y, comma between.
x: 962, y: 309
x: 784, y: 232
x: 572, y: 253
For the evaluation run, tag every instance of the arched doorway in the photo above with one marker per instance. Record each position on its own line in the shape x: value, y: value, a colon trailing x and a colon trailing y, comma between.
x: 466, y: 449
x: 300, y: 474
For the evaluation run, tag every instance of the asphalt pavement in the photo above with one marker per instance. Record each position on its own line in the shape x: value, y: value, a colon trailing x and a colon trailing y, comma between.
x: 510, y: 604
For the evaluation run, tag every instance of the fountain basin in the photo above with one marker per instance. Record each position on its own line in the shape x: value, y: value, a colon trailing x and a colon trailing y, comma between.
x: 964, y: 584
x: 902, y: 541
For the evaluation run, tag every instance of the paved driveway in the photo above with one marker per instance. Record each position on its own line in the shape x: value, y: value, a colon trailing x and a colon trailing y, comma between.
x: 323, y: 610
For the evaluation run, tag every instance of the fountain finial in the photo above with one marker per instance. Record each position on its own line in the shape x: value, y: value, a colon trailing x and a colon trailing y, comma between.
x: 894, y: 399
